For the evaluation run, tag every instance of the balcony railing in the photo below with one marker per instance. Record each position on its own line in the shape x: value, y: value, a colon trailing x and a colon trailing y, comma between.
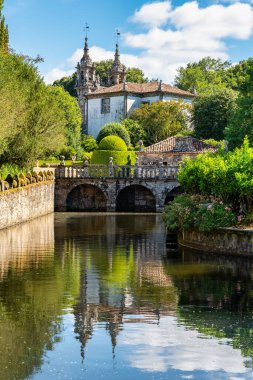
x: 149, y: 172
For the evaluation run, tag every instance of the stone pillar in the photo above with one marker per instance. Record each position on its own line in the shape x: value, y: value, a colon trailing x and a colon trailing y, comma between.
x: 111, y: 171
x: 136, y: 168
x: 161, y: 168
x: 86, y: 169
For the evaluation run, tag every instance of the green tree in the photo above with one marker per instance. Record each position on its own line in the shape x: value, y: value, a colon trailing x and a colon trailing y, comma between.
x: 241, y: 121
x: 226, y: 175
x: 160, y: 120
x: 72, y: 114
x: 135, y: 75
x: 89, y: 143
x: 68, y: 83
x: 238, y: 76
x: 4, y: 33
x: 135, y: 130
x: 32, y: 124
x: 102, y: 69
x: 43, y: 131
x: 211, y: 113
x: 114, y: 129
x: 200, y: 76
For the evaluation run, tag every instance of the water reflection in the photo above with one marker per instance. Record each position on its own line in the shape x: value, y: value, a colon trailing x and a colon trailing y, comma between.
x: 99, y: 296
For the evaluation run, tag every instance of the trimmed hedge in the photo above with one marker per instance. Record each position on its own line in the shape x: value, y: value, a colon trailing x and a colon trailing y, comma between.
x: 102, y: 157
x: 114, y: 129
x: 112, y: 143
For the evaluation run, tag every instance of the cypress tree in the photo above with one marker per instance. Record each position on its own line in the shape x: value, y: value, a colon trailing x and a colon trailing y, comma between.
x: 4, y: 33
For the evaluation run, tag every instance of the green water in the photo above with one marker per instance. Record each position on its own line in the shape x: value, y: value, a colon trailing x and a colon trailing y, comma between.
x: 98, y: 296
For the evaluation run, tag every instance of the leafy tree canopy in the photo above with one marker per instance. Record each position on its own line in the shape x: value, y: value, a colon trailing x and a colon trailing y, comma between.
x: 211, y: 113
x: 89, y: 143
x: 226, y: 175
x: 135, y: 130
x: 4, y: 33
x: 102, y: 69
x: 68, y: 83
x: 72, y: 114
x: 32, y: 123
x: 241, y: 121
x: 135, y: 75
x: 160, y: 120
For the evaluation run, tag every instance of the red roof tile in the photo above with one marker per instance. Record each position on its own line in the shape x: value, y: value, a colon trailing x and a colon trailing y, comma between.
x: 143, y: 88
x: 180, y: 144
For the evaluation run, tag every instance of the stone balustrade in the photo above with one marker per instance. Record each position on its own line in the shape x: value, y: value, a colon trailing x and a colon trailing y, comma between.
x: 149, y: 172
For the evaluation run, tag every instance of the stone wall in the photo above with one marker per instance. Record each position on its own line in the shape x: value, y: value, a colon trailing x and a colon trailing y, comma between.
x: 230, y: 241
x: 26, y: 203
x: 23, y: 246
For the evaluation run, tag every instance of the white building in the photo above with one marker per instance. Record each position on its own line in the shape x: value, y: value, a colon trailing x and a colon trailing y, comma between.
x: 102, y: 105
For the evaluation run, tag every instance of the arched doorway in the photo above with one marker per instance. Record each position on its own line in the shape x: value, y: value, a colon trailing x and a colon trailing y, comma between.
x: 135, y: 198
x: 172, y: 194
x: 86, y: 198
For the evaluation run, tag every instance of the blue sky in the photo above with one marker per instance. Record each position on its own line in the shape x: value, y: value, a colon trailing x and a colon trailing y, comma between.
x: 157, y: 36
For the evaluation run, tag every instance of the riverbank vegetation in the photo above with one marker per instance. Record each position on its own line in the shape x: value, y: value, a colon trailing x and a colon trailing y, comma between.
x: 219, y: 191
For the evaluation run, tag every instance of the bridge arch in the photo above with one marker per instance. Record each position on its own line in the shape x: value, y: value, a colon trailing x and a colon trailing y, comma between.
x: 86, y: 197
x: 172, y: 194
x: 136, y: 198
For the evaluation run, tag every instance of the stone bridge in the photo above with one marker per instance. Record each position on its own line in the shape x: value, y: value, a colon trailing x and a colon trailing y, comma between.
x: 115, y: 188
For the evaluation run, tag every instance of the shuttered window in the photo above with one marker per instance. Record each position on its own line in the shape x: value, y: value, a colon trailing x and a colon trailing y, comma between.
x: 105, y: 105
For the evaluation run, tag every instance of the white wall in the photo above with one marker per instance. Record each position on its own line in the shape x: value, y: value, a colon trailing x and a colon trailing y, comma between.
x: 167, y: 98
x: 134, y: 102
x: 96, y: 119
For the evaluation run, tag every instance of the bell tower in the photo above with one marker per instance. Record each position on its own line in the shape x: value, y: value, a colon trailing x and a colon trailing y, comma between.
x: 117, y: 74
x: 87, y: 81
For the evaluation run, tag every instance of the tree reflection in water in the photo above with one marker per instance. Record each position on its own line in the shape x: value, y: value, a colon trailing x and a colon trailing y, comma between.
x: 114, y: 272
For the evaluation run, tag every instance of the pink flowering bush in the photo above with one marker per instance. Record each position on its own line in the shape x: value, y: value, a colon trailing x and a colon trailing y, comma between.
x: 202, y: 213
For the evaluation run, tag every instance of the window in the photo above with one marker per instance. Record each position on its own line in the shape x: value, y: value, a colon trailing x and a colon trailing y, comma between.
x: 105, y: 105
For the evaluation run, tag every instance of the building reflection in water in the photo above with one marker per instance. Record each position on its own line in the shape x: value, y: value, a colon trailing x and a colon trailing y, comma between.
x: 123, y: 273
x: 112, y: 273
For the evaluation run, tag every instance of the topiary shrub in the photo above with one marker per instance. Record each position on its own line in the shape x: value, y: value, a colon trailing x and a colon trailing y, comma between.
x: 102, y: 157
x: 112, y: 143
x: 114, y: 129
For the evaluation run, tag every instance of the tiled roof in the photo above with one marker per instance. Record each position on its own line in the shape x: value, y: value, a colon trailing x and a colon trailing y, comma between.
x: 179, y: 144
x: 138, y: 88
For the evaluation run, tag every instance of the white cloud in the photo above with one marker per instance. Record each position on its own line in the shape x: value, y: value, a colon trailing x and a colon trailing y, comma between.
x: 171, y: 345
x: 55, y: 74
x: 175, y: 36
x: 153, y: 14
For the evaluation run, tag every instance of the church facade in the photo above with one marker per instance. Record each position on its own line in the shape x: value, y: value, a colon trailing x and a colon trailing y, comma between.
x: 101, y: 105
